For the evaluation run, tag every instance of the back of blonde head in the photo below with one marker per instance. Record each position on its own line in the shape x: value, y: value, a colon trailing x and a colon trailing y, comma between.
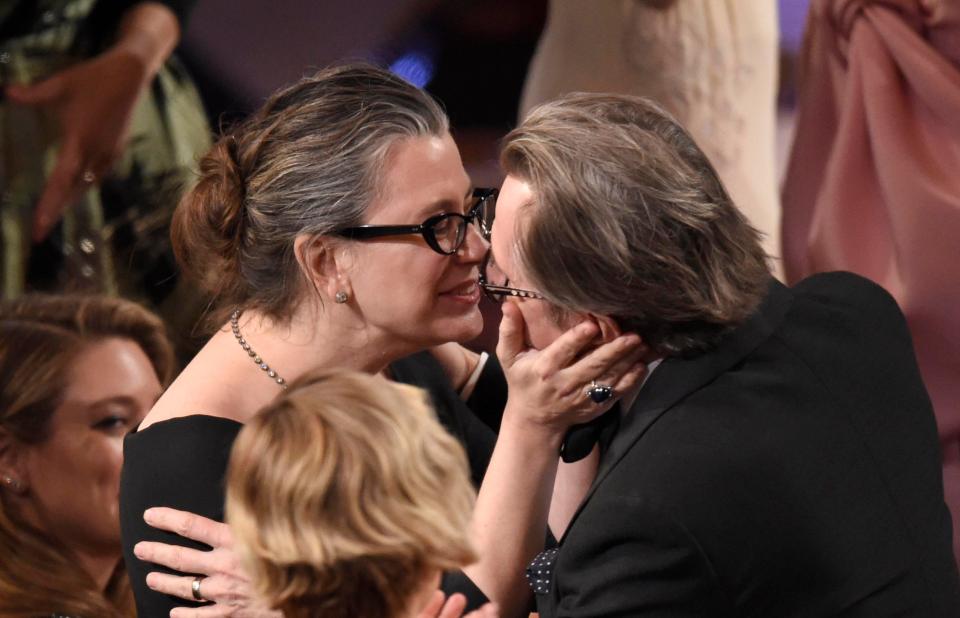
x: 345, y: 494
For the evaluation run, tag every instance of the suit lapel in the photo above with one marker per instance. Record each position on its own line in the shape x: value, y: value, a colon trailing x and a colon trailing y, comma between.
x: 676, y: 378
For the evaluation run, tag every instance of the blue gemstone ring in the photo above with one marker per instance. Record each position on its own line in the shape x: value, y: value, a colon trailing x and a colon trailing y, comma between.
x: 599, y: 393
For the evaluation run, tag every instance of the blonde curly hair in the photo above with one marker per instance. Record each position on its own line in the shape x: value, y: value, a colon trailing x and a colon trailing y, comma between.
x: 346, y: 495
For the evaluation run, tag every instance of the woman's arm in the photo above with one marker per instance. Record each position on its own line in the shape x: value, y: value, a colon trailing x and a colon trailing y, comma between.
x: 458, y: 363
x: 546, y: 397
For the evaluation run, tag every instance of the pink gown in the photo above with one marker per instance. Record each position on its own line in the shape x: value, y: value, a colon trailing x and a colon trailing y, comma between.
x: 873, y: 183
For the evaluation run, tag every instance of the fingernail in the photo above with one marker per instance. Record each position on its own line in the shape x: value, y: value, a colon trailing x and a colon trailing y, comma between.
x: 139, y: 552
x: 151, y: 581
x: 150, y: 516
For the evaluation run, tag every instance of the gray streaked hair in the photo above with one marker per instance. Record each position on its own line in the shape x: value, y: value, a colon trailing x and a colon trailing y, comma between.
x: 308, y: 162
x: 629, y: 219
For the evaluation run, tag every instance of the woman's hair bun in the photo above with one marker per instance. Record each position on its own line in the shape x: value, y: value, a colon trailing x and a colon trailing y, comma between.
x: 308, y: 162
x: 208, y: 226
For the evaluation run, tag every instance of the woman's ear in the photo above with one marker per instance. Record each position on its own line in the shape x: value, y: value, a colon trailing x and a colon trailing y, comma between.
x: 12, y: 472
x: 323, y: 263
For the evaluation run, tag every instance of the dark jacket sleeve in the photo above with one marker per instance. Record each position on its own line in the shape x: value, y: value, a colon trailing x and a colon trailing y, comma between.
x: 489, y: 396
x: 180, y: 464
x: 638, y: 563
x: 423, y: 370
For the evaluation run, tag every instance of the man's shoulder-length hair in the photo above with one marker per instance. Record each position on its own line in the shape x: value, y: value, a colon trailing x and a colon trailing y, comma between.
x: 630, y: 220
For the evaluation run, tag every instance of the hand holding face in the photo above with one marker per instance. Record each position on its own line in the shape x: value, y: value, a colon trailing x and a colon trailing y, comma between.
x: 222, y: 580
x: 547, y: 388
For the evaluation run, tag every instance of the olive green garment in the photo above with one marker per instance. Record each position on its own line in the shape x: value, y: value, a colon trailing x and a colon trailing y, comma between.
x: 115, y: 239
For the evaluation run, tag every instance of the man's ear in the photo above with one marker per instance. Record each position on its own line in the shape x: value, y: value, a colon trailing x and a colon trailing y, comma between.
x: 324, y: 264
x: 12, y: 471
x: 609, y: 329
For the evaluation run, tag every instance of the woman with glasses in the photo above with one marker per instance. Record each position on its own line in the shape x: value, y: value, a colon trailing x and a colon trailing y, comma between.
x: 337, y: 228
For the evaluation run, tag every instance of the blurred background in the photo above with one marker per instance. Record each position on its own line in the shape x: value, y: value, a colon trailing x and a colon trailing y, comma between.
x: 471, y: 54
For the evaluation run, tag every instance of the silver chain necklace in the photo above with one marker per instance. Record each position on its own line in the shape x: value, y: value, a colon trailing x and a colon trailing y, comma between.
x: 235, y: 325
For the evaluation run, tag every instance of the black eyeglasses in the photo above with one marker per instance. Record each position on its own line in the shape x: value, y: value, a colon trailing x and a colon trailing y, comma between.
x: 443, y: 233
x: 494, y: 283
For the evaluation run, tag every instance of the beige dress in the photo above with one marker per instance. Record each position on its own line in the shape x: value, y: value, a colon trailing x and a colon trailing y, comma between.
x: 711, y: 63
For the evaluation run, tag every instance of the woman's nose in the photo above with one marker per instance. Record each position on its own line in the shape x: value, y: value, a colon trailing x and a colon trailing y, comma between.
x: 474, y: 247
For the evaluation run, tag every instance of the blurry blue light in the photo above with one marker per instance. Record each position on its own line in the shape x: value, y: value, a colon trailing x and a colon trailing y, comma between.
x: 415, y: 67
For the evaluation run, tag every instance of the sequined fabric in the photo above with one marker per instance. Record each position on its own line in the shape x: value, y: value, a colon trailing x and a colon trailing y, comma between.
x: 540, y: 571
x: 114, y: 239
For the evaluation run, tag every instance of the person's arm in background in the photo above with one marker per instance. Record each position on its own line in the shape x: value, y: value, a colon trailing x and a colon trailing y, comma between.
x: 93, y: 101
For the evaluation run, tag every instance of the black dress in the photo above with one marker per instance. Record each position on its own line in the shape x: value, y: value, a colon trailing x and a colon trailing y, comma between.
x: 181, y: 463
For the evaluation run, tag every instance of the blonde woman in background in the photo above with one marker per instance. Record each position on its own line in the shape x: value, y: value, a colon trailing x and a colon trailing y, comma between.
x: 76, y: 374
x: 347, y: 498
x: 710, y: 63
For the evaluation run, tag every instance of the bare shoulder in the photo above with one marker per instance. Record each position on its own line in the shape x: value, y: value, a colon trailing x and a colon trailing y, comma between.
x: 211, y: 385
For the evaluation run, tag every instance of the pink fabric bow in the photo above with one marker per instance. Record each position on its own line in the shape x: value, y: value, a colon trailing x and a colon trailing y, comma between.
x: 873, y: 183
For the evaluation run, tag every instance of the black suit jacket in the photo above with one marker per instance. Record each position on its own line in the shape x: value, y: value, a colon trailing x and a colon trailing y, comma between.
x: 793, y: 471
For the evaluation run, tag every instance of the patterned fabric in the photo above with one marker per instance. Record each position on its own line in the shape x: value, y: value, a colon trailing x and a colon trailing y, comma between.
x: 540, y: 571
x: 115, y: 239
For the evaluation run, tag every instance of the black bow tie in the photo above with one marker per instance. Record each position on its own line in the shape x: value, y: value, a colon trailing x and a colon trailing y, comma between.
x: 580, y: 439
